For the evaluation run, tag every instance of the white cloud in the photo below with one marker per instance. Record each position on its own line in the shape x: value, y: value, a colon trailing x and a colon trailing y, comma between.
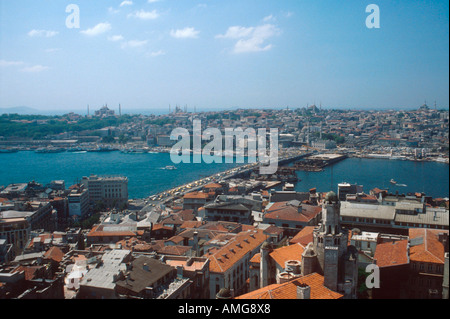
x: 98, y: 29
x: 269, y: 18
x: 115, y: 38
x: 126, y: 3
x: 4, y: 63
x: 35, y: 69
x: 42, y: 33
x: 237, y: 32
x: 152, y: 1
x: 113, y: 11
x: 134, y: 44
x: 156, y: 53
x: 251, y: 39
x: 185, y: 33
x: 144, y: 15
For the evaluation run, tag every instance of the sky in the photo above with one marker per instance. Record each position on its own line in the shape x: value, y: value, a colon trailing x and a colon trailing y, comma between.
x: 223, y: 54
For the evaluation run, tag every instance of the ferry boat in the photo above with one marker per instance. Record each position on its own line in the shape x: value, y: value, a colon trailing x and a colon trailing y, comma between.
x: 170, y: 168
x: 393, y: 181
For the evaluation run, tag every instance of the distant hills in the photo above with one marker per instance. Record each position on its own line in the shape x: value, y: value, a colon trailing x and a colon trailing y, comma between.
x: 22, y: 110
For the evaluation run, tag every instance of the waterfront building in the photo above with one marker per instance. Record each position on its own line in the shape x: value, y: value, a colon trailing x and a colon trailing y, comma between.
x: 111, y: 190
x: 324, y: 144
x: 164, y: 141
x: 195, y: 200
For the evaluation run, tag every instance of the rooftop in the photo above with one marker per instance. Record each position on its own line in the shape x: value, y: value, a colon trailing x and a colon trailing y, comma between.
x: 289, y: 290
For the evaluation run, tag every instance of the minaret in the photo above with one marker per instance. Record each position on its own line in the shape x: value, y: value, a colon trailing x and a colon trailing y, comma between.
x: 120, y: 110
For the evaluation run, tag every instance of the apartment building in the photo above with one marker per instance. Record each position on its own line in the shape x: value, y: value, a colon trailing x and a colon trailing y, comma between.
x: 229, y: 265
x: 111, y: 190
x: 78, y: 203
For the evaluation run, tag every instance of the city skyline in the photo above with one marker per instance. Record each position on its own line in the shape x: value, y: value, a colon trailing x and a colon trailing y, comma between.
x: 216, y: 55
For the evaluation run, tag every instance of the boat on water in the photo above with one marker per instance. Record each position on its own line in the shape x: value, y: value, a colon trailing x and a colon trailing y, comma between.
x: 170, y: 168
x: 102, y: 149
x: 442, y: 160
x: 393, y: 181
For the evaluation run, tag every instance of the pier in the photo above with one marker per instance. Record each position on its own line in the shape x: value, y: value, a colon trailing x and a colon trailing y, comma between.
x: 317, y: 163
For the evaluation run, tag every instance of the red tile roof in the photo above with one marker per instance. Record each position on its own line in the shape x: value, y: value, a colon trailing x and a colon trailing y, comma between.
x: 431, y: 250
x: 392, y: 253
x: 225, y: 257
x: 285, y: 211
x: 304, y: 237
x: 286, y: 253
x: 289, y: 290
x: 54, y: 253
x: 196, y: 195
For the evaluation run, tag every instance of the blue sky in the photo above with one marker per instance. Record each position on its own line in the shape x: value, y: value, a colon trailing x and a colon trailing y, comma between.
x: 223, y: 54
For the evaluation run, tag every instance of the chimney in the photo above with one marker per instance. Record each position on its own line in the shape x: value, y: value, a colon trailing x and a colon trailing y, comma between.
x: 303, y: 291
x: 196, y: 248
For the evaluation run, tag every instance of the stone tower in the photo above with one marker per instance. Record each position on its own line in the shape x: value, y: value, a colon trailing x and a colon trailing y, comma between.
x: 265, y: 265
x: 330, y: 243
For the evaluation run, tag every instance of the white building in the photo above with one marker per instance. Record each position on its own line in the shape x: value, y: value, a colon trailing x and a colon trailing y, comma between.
x: 111, y: 190
x: 78, y: 203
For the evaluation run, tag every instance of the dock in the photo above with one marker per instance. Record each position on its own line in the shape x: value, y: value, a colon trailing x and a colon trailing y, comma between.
x: 316, y: 163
